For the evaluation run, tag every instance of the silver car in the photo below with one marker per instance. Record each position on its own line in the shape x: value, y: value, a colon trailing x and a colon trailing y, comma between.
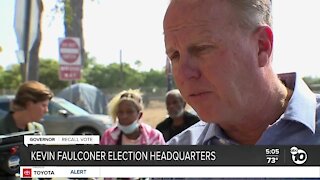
x: 65, y: 118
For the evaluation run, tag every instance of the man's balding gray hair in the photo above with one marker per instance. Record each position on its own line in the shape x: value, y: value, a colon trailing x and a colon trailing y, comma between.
x: 175, y: 92
x: 253, y: 13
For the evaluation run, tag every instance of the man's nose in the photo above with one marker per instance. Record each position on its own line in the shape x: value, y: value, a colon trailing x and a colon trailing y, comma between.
x: 171, y: 106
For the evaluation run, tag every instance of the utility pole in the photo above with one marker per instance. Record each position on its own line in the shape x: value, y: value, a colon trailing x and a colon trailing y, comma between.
x: 26, y: 40
x: 121, y: 67
x: 169, y: 75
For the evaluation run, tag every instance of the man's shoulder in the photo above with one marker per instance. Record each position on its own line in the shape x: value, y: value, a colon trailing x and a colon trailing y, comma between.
x: 318, y: 113
x: 164, y: 124
x: 2, y: 125
x: 2, y: 120
x: 7, y: 124
x: 317, y: 110
x: 189, y: 136
x: 318, y: 100
x: 191, y: 118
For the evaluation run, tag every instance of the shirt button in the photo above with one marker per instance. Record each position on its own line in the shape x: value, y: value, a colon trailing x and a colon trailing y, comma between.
x: 223, y: 141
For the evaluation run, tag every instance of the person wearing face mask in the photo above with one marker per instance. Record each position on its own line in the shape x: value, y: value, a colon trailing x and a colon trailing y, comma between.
x: 179, y: 119
x: 126, y: 110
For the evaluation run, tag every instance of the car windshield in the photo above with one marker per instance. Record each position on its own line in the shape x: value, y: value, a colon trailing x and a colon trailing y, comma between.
x: 75, y: 110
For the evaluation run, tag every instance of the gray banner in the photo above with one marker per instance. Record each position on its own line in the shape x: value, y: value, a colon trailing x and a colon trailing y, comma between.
x: 96, y: 155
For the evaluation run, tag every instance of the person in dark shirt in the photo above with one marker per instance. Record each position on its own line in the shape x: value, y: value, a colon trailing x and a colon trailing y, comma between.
x: 27, y: 109
x: 179, y: 119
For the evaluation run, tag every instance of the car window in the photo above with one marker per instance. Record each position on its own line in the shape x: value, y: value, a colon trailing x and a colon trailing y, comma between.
x: 53, y: 109
x: 2, y: 113
x: 63, y: 104
x: 5, y: 106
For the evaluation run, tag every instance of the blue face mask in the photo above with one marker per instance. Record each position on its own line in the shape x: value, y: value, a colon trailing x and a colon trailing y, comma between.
x: 130, y: 128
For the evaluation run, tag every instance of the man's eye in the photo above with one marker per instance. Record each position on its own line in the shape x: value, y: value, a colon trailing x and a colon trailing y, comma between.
x: 174, y: 57
x: 203, y: 49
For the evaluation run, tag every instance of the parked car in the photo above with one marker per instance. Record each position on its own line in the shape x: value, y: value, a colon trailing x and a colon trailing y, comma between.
x: 2, y: 113
x: 65, y: 118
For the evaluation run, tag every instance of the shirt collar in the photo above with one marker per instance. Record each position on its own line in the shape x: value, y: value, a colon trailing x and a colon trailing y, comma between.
x: 301, y: 108
x: 211, y: 131
x: 302, y: 105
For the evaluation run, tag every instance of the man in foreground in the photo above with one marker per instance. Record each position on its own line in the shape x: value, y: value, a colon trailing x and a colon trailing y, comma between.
x: 221, y: 54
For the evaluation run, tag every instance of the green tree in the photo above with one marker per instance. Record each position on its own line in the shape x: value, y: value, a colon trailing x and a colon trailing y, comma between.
x: 12, y: 78
x: 155, y: 78
x: 132, y: 78
x: 97, y: 75
x: 48, y: 74
x: 310, y: 80
x: 110, y: 76
x: 1, y: 76
x: 90, y: 62
x: 138, y: 64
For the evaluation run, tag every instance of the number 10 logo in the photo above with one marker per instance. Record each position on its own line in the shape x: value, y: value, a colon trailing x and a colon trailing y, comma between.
x: 299, y: 156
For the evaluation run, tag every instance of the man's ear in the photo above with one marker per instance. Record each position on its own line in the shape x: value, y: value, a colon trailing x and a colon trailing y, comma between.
x: 264, y: 36
x: 28, y: 103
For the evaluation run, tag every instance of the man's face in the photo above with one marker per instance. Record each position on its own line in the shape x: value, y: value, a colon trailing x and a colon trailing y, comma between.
x: 37, y: 110
x: 214, y: 60
x: 175, y: 106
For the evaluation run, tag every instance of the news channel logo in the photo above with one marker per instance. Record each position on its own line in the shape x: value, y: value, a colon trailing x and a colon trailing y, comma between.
x: 299, y: 156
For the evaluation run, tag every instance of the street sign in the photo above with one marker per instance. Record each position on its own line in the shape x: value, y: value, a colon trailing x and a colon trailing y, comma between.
x: 69, y: 58
x: 21, y: 22
x: 26, y: 21
x: 70, y: 51
x: 68, y: 73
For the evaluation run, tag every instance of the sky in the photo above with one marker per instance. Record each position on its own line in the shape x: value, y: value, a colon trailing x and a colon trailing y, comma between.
x: 135, y: 28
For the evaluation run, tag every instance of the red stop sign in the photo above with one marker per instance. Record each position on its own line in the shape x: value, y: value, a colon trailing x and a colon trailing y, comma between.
x: 69, y: 50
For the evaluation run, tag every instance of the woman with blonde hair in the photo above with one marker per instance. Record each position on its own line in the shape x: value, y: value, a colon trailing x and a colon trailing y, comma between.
x: 126, y: 110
